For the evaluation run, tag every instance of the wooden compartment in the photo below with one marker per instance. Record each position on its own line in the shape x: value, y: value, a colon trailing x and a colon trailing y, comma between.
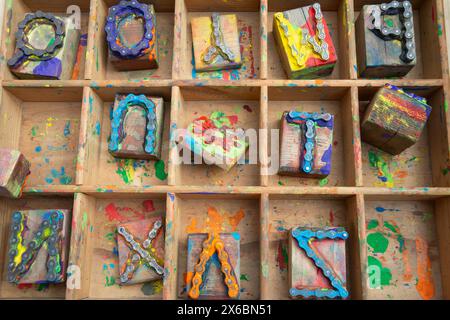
x: 94, y: 244
x: 202, y: 214
x: 101, y: 68
x: 338, y: 15
x: 15, y: 12
x: 427, y: 43
x: 44, y: 123
x: 248, y: 16
x: 291, y: 211
x: 406, y: 257
x: 97, y: 166
x: 336, y: 101
x: 422, y: 165
x: 194, y: 102
x: 7, y: 208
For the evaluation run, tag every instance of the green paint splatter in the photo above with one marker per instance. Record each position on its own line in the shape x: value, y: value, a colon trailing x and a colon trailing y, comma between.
x: 323, y: 182
x: 446, y: 105
x: 280, y: 183
x: 110, y: 281
x: 160, y: 170
x: 391, y: 227
x: 372, y: 224
x: 244, y: 277
x: 386, y: 274
x: 34, y: 131
x: 125, y: 169
x: 378, y: 242
x: 84, y: 221
x: 377, y: 162
x: 152, y: 288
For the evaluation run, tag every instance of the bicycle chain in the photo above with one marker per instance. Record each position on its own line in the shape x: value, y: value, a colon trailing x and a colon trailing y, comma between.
x: 217, y: 46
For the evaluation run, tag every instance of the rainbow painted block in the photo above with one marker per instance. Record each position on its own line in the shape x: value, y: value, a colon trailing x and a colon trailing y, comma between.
x: 213, y: 267
x: 317, y: 263
x: 141, y: 250
x: 394, y: 120
x: 304, y: 42
x: 386, y: 40
x: 216, y: 42
x: 38, y: 246
x: 306, y: 144
x: 14, y: 169
x: 136, y: 127
x: 46, y: 47
x: 131, y: 36
x: 216, y: 140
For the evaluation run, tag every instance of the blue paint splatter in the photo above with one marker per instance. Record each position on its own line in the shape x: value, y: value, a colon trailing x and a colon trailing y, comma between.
x: 67, y: 129
x: 61, y: 176
x: 97, y: 128
x: 381, y: 210
x: 38, y: 149
x: 50, y: 68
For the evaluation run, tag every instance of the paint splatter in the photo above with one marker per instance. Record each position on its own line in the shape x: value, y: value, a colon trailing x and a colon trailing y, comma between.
x: 244, y: 277
x: 60, y: 175
x: 247, y: 108
x: 385, y: 273
x: 378, y: 242
x: 160, y: 170
x: 425, y: 284
x: 67, y: 129
x: 282, y: 257
x: 152, y: 288
x: 148, y: 206
x: 379, y: 163
x: 113, y: 214
x: 323, y: 182
x: 216, y: 222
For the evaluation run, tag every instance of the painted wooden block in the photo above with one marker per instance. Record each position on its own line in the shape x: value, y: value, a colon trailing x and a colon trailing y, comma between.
x: 215, y: 139
x: 14, y: 170
x: 213, y: 266
x: 318, y: 263
x: 306, y: 144
x: 136, y: 127
x: 304, y: 42
x: 216, y: 42
x: 38, y: 246
x: 394, y: 120
x: 46, y: 47
x: 141, y: 250
x: 385, y: 40
x: 131, y: 36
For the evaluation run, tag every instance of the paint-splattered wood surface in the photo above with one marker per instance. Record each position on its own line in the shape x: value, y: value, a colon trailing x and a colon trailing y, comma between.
x: 63, y: 128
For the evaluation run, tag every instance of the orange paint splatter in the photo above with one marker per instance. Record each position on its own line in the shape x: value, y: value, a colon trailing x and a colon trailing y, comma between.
x: 401, y: 174
x: 192, y: 228
x: 407, y: 275
x: 425, y: 284
x: 214, y: 221
x: 236, y: 219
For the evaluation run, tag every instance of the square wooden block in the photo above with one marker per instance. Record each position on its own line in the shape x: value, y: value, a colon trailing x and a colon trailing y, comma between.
x: 216, y: 42
x: 317, y: 264
x: 213, y: 285
x: 46, y: 47
x: 306, y: 144
x: 394, y: 120
x: 14, y: 169
x: 132, y: 36
x: 304, y: 42
x: 141, y: 250
x: 136, y: 127
x: 385, y: 40
x: 216, y: 140
x: 38, y: 246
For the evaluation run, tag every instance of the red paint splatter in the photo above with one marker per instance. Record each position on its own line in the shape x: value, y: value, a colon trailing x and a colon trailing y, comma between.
x: 23, y: 286
x: 282, y: 256
x: 113, y: 214
x: 148, y: 206
x: 247, y: 108
x: 331, y: 218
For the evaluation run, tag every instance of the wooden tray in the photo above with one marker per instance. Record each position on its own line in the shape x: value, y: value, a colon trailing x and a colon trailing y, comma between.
x: 63, y: 127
